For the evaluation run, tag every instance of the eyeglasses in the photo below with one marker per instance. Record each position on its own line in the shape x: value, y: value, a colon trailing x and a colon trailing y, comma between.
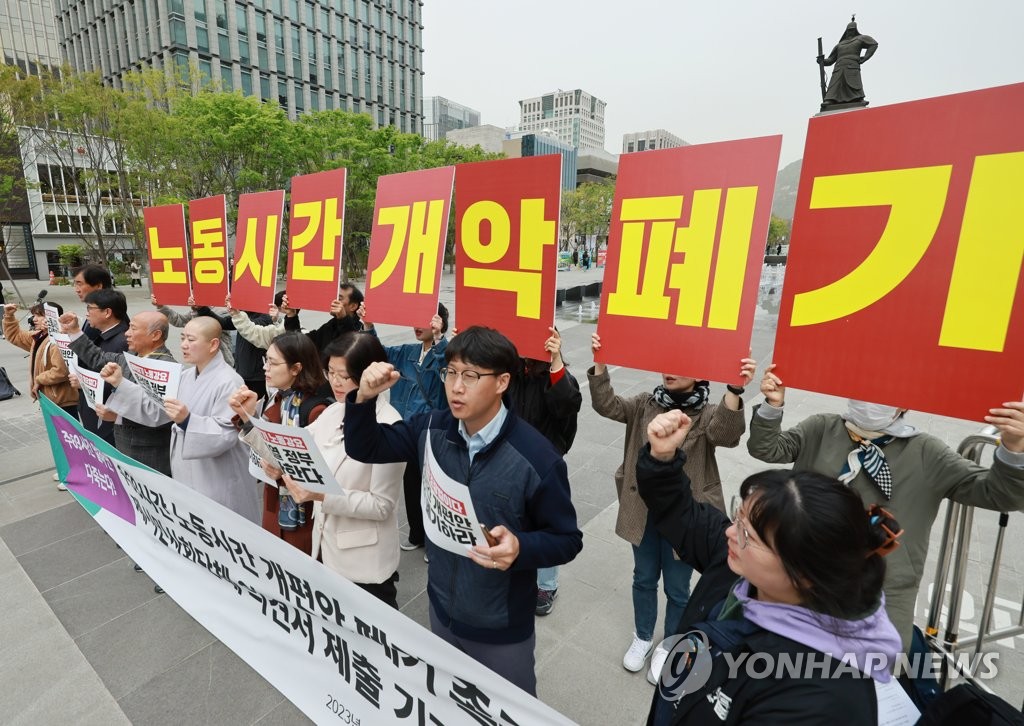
x: 469, y: 378
x: 90, y: 307
x: 267, y: 363
x: 743, y: 537
x: 337, y: 376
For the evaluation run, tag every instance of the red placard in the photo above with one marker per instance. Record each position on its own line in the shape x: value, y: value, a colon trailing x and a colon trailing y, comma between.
x: 314, y: 246
x: 684, y: 257
x: 257, y: 243
x: 208, y: 235
x: 507, y: 217
x: 905, y: 258
x: 410, y: 225
x: 168, y: 260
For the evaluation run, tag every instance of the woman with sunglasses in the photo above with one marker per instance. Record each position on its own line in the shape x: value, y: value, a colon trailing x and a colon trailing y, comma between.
x: 295, y: 380
x: 355, y: 533
x: 787, y: 623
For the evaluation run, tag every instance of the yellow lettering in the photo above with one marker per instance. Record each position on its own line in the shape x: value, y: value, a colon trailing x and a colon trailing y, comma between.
x: 535, y: 233
x: 260, y: 265
x: 526, y: 286
x: 501, y: 232
x: 317, y: 212
x: 916, y: 198
x: 731, y: 263
x: 697, y: 243
x: 398, y: 219
x: 424, y: 234
x: 167, y: 274
x: 650, y: 301
x: 988, y: 256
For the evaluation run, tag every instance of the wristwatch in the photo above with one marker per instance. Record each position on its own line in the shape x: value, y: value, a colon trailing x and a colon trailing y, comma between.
x: 738, y: 390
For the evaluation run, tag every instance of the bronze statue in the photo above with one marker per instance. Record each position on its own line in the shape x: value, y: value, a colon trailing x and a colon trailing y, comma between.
x: 845, y: 89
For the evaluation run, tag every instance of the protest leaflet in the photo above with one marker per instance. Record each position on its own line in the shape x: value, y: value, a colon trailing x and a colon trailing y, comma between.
x: 293, y: 450
x: 159, y: 378
x: 449, y: 519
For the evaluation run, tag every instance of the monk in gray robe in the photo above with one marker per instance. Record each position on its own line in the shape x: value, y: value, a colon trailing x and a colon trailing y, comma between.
x: 206, y: 453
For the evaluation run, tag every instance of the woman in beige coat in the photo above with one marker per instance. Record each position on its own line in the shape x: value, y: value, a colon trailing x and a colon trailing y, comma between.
x: 355, y: 533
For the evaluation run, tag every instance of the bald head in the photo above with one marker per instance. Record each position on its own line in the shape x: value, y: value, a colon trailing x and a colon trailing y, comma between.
x: 200, y: 341
x: 146, y: 332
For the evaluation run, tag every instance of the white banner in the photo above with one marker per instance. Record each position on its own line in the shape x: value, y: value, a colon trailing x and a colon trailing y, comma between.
x: 449, y: 519
x: 159, y: 378
x: 294, y: 450
x: 90, y: 383
x: 330, y: 647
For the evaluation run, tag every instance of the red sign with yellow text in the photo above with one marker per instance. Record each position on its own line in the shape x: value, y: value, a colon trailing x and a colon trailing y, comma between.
x: 507, y: 217
x: 168, y: 260
x: 209, y: 249
x: 903, y: 285
x: 410, y: 226
x: 685, y: 249
x: 257, y: 243
x: 314, y: 247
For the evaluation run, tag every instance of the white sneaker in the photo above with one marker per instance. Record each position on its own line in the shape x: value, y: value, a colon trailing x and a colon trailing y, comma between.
x: 61, y: 487
x: 657, y: 663
x: 638, y: 651
x: 56, y: 476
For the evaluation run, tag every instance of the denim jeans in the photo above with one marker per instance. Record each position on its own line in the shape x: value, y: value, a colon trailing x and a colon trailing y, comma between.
x: 547, y: 578
x: 651, y: 560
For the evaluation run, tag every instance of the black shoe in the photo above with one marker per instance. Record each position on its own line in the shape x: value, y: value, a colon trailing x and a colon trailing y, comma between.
x: 158, y: 590
x: 137, y: 568
x: 408, y: 545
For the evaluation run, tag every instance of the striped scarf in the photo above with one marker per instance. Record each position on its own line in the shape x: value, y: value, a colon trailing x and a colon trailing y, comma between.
x: 869, y: 456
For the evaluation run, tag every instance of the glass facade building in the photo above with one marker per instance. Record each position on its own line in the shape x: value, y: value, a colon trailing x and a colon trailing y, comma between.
x: 441, y: 116
x: 364, y: 56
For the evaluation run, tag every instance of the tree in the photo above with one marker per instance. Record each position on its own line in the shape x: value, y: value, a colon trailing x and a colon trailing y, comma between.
x: 778, y: 232
x: 586, y: 211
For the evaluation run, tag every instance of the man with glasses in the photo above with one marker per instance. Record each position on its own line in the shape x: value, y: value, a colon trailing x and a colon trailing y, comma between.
x: 106, y: 313
x: 484, y: 604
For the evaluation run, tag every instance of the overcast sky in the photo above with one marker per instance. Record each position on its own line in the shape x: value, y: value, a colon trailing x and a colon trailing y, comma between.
x: 710, y: 71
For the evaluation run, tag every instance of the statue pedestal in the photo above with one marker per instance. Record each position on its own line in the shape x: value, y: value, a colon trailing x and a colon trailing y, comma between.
x: 829, y: 107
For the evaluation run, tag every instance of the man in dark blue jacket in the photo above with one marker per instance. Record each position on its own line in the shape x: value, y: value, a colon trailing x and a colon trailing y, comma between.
x: 482, y: 604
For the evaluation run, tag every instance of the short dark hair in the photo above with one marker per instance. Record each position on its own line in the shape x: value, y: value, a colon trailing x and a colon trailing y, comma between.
x: 296, y: 347
x: 279, y: 298
x: 484, y: 347
x: 107, y: 299
x: 94, y: 275
x: 355, y: 295
x: 38, y: 309
x: 358, y: 349
x: 442, y: 312
x: 823, y: 536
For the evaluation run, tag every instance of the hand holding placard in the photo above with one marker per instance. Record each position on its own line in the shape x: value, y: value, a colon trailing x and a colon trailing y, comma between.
x: 772, y: 389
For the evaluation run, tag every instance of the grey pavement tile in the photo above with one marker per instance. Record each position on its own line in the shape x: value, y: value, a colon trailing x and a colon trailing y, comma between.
x: 48, y: 527
x: 584, y: 512
x: 42, y: 499
x: 69, y: 558
x: 591, y: 690
x: 212, y: 686
x: 134, y: 648
x: 418, y: 609
x: 593, y: 485
x: 284, y: 714
x: 97, y: 597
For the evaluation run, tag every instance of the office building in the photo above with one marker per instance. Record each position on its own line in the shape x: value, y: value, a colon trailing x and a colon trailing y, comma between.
x: 364, y: 56
x: 574, y: 117
x: 520, y: 144
x: 650, y: 140
x: 441, y: 116
x: 487, y: 136
x: 28, y: 35
x: 596, y: 165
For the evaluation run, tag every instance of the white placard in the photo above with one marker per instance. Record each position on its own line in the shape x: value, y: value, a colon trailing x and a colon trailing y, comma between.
x: 449, y: 519
x: 91, y: 384
x: 159, y: 378
x: 295, y: 451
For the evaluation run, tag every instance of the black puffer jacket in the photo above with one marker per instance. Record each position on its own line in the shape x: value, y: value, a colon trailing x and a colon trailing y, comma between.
x: 697, y: 532
x: 551, y: 409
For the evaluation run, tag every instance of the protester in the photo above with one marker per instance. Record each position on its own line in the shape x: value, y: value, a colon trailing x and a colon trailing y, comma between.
x: 179, y: 320
x: 418, y: 390
x: 294, y: 377
x: 89, y: 278
x: 206, y: 454
x: 547, y: 396
x: 147, y: 438
x: 106, y: 314
x: 713, y: 426
x: 47, y: 371
x: 254, y: 334
x: 520, y: 489
x: 872, y: 449
x: 354, y: 533
x: 343, y: 317
x: 810, y: 566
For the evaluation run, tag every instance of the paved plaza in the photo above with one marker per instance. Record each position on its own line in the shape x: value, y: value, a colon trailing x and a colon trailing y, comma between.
x: 85, y: 640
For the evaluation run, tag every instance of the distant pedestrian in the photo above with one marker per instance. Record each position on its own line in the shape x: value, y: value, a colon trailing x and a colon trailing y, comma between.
x: 586, y: 259
x: 576, y: 257
x: 136, y: 270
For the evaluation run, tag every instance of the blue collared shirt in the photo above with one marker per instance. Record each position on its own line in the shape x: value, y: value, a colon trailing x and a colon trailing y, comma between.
x: 485, y: 435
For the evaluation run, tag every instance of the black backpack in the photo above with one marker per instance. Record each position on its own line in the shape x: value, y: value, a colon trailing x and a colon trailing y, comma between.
x: 7, y: 389
x: 968, y: 704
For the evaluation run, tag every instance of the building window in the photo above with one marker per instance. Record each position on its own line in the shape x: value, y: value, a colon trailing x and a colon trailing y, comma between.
x: 226, y: 83
x: 246, y: 82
